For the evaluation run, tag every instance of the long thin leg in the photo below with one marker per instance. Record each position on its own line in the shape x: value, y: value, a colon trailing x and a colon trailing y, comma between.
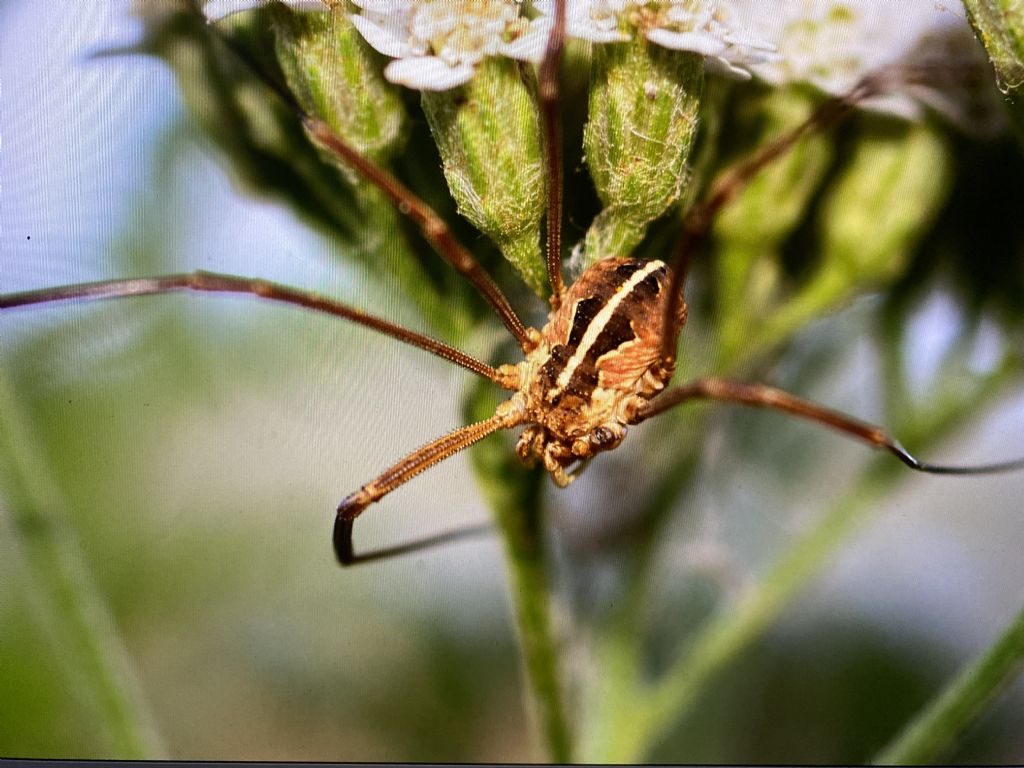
x: 217, y: 283
x: 552, y: 127
x: 699, y: 219
x: 761, y: 396
x: 433, y: 227
x: 404, y: 471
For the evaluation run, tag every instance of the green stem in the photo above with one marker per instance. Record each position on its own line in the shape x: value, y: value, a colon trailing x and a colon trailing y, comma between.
x: 75, y: 615
x: 726, y: 636
x: 515, y: 495
x: 613, y: 701
x: 521, y: 529
x: 928, y: 736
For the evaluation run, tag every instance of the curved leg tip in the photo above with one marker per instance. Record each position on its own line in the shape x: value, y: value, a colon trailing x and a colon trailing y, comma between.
x: 343, y: 540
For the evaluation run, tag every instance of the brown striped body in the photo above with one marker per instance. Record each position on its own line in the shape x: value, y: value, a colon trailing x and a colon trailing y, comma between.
x: 598, y: 361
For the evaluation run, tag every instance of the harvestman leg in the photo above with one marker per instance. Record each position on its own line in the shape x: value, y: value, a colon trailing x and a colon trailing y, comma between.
x: 405, y: 470
x: 696, y: 226
x: 430, y: 224
x: 698, y: 220
x: 450, y: 444
x: 552, y: 130
x: 212, y: 282
x: 763, y: 396
x: 402, y: 472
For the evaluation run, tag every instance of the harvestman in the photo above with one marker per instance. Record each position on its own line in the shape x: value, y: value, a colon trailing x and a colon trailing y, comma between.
x: 603, y: 360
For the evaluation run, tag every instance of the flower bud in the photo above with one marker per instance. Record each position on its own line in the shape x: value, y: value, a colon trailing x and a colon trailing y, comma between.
x: 872, y: 216
x: 644, y: 103
x: 270, y: 153
x: 334, y: 76
x: 751, y: 230
x: 882, y: 202
x: 999, y: 24
x: 488, y: 135
x: 267, y: 148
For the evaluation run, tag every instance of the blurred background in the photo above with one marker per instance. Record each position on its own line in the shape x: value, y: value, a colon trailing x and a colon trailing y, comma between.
x: 189, y: 451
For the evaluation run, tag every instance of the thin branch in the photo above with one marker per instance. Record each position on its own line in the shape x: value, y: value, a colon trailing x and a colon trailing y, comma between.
x: 516, y: 497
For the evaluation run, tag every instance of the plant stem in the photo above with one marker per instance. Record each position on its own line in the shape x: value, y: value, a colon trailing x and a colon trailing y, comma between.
x: 929, y: 735
x: 515, y: 495
x: 726, y: 636
x: 75, y: 616
x: 530, y: 590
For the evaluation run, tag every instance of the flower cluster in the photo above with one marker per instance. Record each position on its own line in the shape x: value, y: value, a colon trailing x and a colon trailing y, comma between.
x: 712, y: 29
x: 830, y: 44
x: 437, y: 44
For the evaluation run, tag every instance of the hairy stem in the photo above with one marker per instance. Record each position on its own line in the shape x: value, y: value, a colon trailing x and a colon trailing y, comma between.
x: 515, y: 495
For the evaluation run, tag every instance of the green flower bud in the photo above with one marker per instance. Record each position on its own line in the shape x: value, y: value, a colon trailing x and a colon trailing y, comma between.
x: 488, y: 135
x: 644, y: 105
x: 270, y: 153
x: 882, y: 203
x: 336, y: 77
x: 268, y: 150
x: 999, y: 24
x: 750, y: 230
x: 874, y: 213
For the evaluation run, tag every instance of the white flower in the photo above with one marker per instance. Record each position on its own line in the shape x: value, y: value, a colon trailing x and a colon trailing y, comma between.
x: 712, y: 29
x: 832, y: 44
x: 437, y: 44
x: 218, y: 9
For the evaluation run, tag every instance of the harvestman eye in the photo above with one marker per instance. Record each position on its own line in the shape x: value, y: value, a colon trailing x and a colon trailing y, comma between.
x: 605, y: 358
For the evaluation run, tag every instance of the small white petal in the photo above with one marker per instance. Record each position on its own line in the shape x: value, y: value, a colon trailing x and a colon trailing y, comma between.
x: 427, y: 73
x: 384, y: 7
x: 442, y: 40
x: 593, y: 35
x: 218, y: 9
x: 696, y: 42
x: 719, y: 66
x: 307, y: 5
x: 380, y: 38
x: 832, y: 44
x: 747, y: 39
x: 529, y: 47
x: 898, y: 105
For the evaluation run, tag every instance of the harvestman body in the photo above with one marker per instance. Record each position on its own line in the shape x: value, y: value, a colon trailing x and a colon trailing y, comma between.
x: 607, y: 353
